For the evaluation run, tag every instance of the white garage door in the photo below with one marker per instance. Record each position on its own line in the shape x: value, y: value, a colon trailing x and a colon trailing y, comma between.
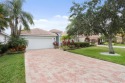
x: 40, y: 43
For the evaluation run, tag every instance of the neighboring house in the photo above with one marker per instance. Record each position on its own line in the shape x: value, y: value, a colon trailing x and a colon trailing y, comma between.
x: 39, y: 39
x: 118, y: 39
x: 64, y: 33
x: 82, y: 38
x: 3, y: 37
x: 93, y: 38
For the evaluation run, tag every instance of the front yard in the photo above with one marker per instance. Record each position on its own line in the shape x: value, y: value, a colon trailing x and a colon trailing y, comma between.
x: 12, y: 69
x: 94, y: 52
x: 119, y: 45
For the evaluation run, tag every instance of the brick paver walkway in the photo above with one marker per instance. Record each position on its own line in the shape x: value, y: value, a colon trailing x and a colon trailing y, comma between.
x: 57, y: 66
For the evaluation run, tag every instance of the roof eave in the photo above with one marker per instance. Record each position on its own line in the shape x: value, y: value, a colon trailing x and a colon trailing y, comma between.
x: 39, y: 35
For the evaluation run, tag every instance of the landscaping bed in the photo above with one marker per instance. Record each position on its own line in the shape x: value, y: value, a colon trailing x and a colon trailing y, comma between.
x: 12, y: 69
x: 94, y: 52
x: 67, y: 45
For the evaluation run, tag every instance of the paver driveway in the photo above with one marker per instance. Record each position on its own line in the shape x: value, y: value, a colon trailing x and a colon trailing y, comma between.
x: 57, y: 66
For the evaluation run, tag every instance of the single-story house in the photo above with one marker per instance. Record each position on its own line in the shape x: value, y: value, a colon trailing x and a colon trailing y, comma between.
x: 3, y: 37
x: 39, y: 39
x: 93, y: 38
x: 82, y: 38
x: 118, y: 39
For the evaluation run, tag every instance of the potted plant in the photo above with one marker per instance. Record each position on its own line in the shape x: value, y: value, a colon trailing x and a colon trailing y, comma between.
x: 56, y: 45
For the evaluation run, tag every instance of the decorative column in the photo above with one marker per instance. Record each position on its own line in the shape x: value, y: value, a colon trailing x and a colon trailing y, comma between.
x: 59, y: 35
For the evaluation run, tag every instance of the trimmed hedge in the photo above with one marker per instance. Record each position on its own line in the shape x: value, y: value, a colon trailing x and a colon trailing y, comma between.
x: 81, y: 44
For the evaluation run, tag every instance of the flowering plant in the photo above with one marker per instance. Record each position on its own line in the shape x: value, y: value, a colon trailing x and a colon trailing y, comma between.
x: 68, y: 42
x: 55, y: 43
x: 64, y: 43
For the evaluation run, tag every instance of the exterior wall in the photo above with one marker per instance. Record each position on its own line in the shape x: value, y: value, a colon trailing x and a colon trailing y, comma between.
x: 3, y: 38
x: 119, y: 39
x: 93, y: 38
x: 81, y: 39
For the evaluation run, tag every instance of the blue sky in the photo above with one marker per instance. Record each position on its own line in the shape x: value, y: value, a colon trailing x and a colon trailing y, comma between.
x: 48, y: 8
x: 49, y: 14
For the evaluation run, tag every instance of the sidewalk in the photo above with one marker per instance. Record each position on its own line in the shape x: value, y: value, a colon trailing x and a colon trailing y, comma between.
x: 113, y: 46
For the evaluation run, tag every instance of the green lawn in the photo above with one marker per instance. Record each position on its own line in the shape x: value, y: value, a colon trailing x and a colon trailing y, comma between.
x: 12, y: 69
x: 119, y: 45
x: 94, y: 52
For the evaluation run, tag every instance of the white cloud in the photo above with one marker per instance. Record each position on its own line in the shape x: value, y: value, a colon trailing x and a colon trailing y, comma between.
x: 56, y: 22
x: 62, y: 17
x: 65, y: 17
x: 41, y: 20
x: 57, y: 16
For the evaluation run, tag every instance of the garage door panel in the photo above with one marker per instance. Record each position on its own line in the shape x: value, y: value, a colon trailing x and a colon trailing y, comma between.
x: 40, y: 43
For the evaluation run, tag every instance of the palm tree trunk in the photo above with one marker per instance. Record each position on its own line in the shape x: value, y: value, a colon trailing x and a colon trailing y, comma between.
x: 111, y: 50
x: 16, y: 27
x: 19, y: 31
x: 12, y: 28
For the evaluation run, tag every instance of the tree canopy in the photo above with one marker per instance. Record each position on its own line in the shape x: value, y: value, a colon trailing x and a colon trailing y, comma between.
x: 95, y: 16
x: 19, y: 19
x: 3, y: 17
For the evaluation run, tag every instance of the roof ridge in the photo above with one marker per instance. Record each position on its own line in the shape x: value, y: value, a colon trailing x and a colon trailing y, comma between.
x: 38, y: 31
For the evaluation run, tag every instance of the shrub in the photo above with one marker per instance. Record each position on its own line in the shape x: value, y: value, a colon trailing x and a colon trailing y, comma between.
x: 17, y: 44
x: 106, y: 43
x: 65, y: 37
x: 93, y: 41
x: 56, y: 44
x: 68, y: 42
x: 81, y: 44
x: 71, y: 47
x: 72, y: 43
x: 64, y: 43
x: 65, y: 48
x: 3, y: 48
x: 77, y: 44
x: 102, y: 43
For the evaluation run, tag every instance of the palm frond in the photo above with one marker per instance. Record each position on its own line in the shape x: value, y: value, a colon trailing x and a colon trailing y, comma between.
x: 25, y: 23
x: 28, y: 17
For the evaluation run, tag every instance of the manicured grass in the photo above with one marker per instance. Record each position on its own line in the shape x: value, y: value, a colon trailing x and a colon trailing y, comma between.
x: 12, y: 69
x: 119, y: 45
x: 94, y: 52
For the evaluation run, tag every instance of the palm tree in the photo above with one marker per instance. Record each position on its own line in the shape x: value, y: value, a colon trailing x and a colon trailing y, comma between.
x: 18, y: 17
x: 3, y: 17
